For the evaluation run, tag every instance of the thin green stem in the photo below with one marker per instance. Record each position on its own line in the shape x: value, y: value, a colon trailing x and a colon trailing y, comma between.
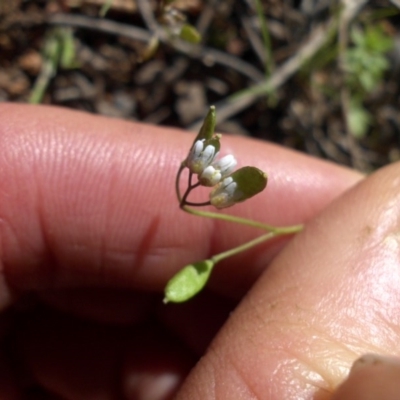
x: 255, y: 224
x: 183, y: 199
x: 243, y: 247
x: 188, y: 190
x: 269, y: 61
x: 189, y: 203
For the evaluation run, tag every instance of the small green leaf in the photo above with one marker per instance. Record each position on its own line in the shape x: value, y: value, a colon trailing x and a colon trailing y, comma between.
x: 215, y: 142
x: 150, y: 49
x: 190, y: 34
x: 208, y: 127
x: 105, y: 7
x: 188, y: 281
x: 250, y: 181
x: 68, y: 51
x: 358, y: 119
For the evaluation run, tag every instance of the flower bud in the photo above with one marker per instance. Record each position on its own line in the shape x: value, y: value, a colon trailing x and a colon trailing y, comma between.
x: 208, y: 127
x: 225, y: 194
x: 218, y: 170
x: 202, y: 154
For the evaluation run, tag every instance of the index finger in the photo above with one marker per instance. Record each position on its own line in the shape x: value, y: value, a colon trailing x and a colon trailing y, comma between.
x: 86, y: 200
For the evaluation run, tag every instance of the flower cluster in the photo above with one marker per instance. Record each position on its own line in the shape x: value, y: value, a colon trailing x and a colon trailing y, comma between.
x: 202, y: 161
x: 229, y: 187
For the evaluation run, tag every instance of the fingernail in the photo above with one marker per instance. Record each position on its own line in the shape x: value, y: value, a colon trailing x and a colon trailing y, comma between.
x: 374, y: 360
x: 151, y: 387
x: 372, y: 377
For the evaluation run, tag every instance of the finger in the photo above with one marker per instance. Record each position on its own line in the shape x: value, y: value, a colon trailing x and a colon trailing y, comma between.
x: 330, y: 296
x: 86, y: 200
x: 372, y: 377
x: 75, y: 359
x: 106, y: 305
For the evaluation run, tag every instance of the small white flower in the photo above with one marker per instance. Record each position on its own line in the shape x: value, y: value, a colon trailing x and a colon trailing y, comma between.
x: 210, y: 176
x: 225, y: 194
x: 226, y: 165
x: 200, y: 156
x: 218, y: 170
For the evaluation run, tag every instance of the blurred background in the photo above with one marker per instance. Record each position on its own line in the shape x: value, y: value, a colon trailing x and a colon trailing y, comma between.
x: 320, y: 76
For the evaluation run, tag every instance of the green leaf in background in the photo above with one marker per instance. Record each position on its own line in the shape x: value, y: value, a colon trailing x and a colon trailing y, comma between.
x: 358, y: 119
x: 104, y: 8
x: 366, y: 60
x: 190, y: 34
x: 68, y: 58
x: 59, y: 50
x: 150, y: 49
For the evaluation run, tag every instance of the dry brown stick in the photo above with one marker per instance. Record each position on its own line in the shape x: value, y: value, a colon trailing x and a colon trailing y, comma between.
x: 206, y: 54
x: 238, y: 102
x: 101, y: 25
x: 254, y: 39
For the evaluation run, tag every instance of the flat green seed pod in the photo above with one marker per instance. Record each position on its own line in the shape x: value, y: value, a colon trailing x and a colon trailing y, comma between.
x: 188, y: 282
x: 250, y: 181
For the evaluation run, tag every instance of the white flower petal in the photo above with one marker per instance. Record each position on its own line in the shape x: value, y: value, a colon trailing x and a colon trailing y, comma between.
x: 210, y: 176
x: 226, y: 164
x: 224, y: 194
x: 199, y: 157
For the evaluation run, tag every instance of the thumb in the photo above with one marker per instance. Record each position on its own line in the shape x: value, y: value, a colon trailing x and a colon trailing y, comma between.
x: 330, y: 296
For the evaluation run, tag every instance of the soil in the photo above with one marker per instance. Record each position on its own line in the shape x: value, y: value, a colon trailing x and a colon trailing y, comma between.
x: 288, y: 86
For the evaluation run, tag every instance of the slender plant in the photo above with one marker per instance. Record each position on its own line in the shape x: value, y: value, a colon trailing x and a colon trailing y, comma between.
x: 228, y: 187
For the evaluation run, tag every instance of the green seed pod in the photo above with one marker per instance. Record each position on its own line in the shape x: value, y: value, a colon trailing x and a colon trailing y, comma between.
x: 250, y: 181
x: 242, y: 184
x: 188, y: 282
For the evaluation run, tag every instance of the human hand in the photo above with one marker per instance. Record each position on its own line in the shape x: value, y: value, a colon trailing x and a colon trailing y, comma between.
x: 90, y: 233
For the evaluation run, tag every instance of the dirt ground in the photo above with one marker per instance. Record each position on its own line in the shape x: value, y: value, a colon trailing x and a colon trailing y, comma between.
x: 275, y: 69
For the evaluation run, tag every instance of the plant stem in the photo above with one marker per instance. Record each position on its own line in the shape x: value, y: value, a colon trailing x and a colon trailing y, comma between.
x: 269, y: 61
x: 282, y: 230
x: 243, y: 247
x: 182, y: 200
x: 177, y: 180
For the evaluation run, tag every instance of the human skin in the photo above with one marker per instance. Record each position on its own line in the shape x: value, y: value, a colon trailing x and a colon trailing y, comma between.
x: 90, y: 232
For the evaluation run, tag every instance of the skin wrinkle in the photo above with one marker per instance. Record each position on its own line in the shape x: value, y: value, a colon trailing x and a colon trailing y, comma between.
x: 138, y: 255
x: 223, y: 364
x: 48, y: 260
x: 104, y: 255
x: 111, y: 175
x: 64, y: 156
x: 46, y: 153
x: 229, y: 359
x: 247, y: 389
x: 325, y: 370
x: 143, y: 249
x: 293, y: 327
x: 6, y: 296
x: 33, y: 203
x: 302, y: 360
